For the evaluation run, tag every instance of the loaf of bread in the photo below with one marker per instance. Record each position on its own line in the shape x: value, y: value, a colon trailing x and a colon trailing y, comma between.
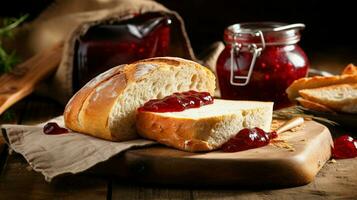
x: 106, y: 106
x: 341, y: 97
x: 205, y: 128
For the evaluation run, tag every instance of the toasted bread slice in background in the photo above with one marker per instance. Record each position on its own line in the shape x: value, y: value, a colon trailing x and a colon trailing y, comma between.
x: 313, y: 105
x: 317, y: 82
x: 350, y: 69
x: 342, y: 97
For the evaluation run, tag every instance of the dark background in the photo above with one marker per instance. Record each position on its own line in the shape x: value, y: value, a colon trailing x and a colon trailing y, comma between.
x: 329, y: 38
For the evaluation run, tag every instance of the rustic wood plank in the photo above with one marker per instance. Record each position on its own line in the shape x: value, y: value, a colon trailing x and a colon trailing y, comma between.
x: 335, y: 181
x: 131, y: 191
x: 18, y: 181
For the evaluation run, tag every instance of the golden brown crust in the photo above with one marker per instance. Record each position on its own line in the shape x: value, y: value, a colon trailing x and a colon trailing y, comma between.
x: 316, y: 82
x: 94, y: 114
x: 313, y: 105
x: 75, y: 104
x: 180, y: 134
x: 89, y: 109
x: 349, y: 69
x: 339, y: 104
x: 173, y: 62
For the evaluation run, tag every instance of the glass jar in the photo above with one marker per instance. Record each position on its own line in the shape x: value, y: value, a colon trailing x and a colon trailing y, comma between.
x: 260, y: 61
x: 107, y: 45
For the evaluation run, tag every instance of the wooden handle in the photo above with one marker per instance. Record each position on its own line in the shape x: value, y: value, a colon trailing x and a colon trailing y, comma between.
x: 21, y: 81
x: 294, y: 122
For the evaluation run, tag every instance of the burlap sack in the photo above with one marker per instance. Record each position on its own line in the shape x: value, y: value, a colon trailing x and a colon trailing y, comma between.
x: 66, y: 20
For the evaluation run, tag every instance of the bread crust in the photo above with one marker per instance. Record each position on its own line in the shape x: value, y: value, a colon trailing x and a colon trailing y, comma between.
x: 348, y: 105
x: 94, y: 113
x: 316, y: 82
x: 75, y: 104
x: 176, y: 132
x: 89, y: 109
x: 313, y: 105
x: 349, y: 69
x: 204, y: 128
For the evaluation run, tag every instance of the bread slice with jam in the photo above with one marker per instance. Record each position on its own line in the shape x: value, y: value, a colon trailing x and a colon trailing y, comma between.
x: 205, y: 128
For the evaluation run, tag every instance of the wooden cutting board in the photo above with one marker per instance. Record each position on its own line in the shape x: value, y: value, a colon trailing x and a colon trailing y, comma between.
x: 291, y: 163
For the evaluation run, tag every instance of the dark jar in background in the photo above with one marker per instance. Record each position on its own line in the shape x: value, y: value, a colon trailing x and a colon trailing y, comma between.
x: 260, y: 61
x: 107, y: 45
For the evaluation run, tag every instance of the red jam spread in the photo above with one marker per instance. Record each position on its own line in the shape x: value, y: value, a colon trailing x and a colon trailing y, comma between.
x: 248, y: 139
x: 344, y: 147
x: 53, y: 128
x: 178, y: 102
x: 107, y: 45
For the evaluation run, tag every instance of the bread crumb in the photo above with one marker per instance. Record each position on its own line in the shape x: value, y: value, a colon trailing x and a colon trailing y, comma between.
x: 332, y: 161
x: 307, y: 118
x: 275, y: 124
x: 283, y: 144
x: 298, y: 128
x: 303, y: 141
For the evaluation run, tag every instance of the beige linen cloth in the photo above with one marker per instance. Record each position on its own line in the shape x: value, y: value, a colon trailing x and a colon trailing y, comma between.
x: 54, y: 155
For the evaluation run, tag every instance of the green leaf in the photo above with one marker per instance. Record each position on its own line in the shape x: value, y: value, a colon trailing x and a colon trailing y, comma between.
x: 9, y: 24
x: 7, y: 116
x: 9, y: 60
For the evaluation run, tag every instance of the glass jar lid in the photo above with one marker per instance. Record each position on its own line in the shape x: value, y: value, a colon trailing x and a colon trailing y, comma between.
x: 263, y: 33
x: 253, y: 37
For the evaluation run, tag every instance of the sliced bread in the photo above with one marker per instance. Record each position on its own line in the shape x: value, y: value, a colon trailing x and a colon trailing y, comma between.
x: 350, y: 69
x: 106, y: 106
x: 316, y: 82
x: 313, y: 105
x: 205, y: 128
x: 342, y: 97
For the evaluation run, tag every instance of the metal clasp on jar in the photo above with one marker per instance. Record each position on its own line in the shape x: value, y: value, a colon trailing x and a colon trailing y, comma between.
x: 252, y: 48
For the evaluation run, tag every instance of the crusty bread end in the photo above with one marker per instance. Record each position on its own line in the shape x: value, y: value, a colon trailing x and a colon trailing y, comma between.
x: 342, y: 97
x: 350, y: 69
x: 316, y: 82
x: 313, y: 105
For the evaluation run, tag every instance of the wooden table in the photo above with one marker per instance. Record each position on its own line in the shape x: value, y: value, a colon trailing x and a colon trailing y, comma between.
x: 18, y: 181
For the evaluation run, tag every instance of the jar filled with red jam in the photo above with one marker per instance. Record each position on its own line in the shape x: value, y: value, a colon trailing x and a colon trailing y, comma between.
x: 260, y: 61
x: 109, y: 44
